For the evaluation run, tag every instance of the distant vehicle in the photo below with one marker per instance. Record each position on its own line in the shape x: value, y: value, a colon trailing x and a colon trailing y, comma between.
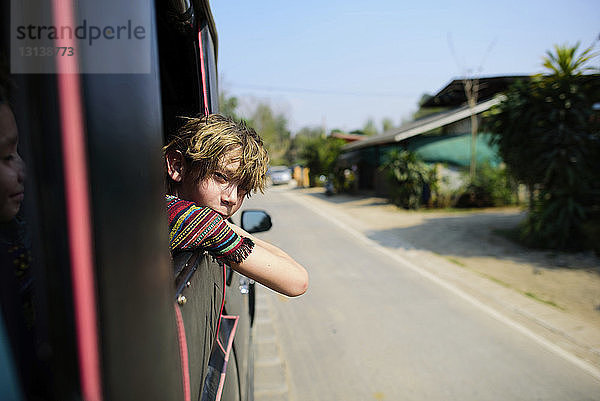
x: 279, y: 175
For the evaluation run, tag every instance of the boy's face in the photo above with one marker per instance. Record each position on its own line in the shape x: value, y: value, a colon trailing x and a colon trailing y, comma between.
x: 12, y: 168
x: 217, y: 191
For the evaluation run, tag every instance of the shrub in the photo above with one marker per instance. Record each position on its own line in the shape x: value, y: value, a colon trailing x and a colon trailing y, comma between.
x: 409, y: 179
x: 491, y: 186
x: 344, y: 180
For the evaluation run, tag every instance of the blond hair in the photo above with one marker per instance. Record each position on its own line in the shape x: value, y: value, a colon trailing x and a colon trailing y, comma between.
x: 212, y: 141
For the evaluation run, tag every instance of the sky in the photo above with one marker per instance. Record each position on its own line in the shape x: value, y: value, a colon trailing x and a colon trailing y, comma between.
x: 338, y: 63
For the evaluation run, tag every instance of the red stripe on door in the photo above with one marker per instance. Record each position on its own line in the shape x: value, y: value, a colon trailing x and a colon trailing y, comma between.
x: 203, y: 73
x: 78, y: 213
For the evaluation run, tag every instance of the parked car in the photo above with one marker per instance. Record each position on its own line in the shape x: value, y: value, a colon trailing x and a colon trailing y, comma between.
x: 117, y: 318
x: 279, y: 175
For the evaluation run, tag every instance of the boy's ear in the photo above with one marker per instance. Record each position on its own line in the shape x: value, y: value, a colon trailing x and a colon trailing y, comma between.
x: 175, y: 165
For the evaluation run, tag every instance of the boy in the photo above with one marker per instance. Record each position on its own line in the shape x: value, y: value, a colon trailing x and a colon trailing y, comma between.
x: 212, y: 164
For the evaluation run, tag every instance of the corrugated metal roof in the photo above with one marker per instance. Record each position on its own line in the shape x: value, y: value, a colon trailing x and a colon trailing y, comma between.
x: 453, y: 94
x: 423, y: 125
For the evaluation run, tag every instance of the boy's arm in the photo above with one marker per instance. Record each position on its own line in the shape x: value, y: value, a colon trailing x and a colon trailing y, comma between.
x: 271, y: 266
x: 194, y: 227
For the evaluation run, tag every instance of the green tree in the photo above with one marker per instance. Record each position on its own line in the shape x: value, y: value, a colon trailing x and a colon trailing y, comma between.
x: 271, y: 127
x: 273, y: 130
x: 320, y: 154
x: 228, y: 105
x: 549, y: 139
x: 387, y: 124
x: 299, y: 142
x: 369, y: 128
x: 566, y: 63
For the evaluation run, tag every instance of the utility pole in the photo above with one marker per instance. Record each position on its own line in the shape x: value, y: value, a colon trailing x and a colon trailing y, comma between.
x: 471, y: 86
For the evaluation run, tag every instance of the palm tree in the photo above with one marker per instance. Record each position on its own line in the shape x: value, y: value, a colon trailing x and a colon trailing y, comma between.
x: 547, y: 136
x: 565, y: 62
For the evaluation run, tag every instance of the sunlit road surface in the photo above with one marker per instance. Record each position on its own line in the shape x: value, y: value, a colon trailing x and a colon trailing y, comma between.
x: 369, y: 328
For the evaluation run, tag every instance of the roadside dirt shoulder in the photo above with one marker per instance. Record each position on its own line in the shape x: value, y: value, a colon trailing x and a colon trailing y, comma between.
x: 469, y: 241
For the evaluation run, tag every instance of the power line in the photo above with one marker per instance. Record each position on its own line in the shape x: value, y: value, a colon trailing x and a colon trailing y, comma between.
x: 317, y: 91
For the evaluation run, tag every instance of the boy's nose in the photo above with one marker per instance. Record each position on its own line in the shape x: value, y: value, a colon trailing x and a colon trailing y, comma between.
x: 229, y: 195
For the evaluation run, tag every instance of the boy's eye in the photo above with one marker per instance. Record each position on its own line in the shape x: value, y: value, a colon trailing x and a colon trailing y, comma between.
x: 221, y: 176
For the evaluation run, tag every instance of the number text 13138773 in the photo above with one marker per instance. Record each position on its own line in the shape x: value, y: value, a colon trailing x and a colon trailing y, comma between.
x: 46, y: 51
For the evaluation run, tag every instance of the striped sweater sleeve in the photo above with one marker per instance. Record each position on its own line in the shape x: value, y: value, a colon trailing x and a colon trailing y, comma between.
x: 192, y: 227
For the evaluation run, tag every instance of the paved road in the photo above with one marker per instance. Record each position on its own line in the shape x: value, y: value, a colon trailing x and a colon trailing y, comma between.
x: 369, y: 328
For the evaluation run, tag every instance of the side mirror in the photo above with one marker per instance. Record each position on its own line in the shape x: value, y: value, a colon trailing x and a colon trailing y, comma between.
x: 256, y: 221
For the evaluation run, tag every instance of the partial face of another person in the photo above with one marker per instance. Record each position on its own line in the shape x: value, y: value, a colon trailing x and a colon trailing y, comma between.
x: 12, y: 168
